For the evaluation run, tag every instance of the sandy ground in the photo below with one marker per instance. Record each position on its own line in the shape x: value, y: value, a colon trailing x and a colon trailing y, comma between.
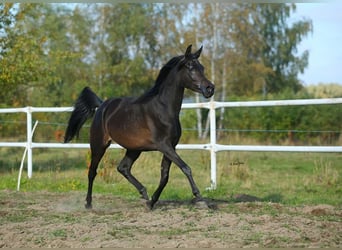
x: 45, y: 219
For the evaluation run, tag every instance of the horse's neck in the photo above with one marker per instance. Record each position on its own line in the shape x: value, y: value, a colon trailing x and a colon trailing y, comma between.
x: 171, y: 95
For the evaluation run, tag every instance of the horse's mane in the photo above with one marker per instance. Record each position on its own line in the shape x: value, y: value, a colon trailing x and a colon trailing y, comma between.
x: 163, y: 74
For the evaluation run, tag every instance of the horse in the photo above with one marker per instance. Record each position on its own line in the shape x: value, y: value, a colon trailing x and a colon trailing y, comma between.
x: 149, y: 122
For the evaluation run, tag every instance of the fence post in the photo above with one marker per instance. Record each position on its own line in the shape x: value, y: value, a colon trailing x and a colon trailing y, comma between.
x: 212, y: 114
x: 29, y: 141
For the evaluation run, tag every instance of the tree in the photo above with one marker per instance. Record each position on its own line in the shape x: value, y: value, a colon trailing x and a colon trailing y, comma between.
x: 22, y: 59
x: 233, y: 50
x: 7, y: 18
x: 122, y: 36
x: 249, y: 49
x: 66, y: 36
x: 280, y: 45
x: 40, y: 63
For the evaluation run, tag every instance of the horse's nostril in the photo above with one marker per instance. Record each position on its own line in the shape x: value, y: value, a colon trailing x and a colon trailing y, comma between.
x: 210, y: 90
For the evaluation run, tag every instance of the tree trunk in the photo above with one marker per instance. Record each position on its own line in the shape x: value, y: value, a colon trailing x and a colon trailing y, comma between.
x: 214, y: 10
x: 223, y: 97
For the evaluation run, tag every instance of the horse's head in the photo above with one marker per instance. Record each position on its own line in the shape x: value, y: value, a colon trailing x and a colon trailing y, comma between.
x: 193, y: 73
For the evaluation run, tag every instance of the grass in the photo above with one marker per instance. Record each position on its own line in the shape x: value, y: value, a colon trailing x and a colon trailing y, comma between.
x: 287, y: 178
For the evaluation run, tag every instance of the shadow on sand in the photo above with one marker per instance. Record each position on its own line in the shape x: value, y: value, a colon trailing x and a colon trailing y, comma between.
x: 214, y: 204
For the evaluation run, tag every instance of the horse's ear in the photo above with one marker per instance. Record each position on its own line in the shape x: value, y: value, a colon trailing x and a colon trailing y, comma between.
x: 188, y: 52
x: 198, y: 52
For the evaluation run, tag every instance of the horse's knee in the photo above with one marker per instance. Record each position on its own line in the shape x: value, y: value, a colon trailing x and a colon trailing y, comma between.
x: 122, y: 170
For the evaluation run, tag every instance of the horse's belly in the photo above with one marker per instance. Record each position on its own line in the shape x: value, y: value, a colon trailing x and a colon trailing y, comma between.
x: 128, y: 126
x: 136, y: 138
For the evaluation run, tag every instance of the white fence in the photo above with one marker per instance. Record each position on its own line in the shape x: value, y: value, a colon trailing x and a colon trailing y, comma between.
x: 212, y: 146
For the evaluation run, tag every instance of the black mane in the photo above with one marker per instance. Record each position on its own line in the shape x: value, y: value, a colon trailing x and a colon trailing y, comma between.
x: 163, y: 74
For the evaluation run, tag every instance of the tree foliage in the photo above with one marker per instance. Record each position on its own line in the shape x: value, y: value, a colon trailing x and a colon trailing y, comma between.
x: 49, y: 52
x: 40, y: 59
x: 122, y: 39
x: 280, y: 46
x: 118, y: 48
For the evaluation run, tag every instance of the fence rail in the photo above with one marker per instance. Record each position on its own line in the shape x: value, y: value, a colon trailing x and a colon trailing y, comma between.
x: 212, y: 146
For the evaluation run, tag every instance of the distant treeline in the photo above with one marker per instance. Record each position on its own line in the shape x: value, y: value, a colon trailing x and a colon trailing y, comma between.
x: 49, y: 52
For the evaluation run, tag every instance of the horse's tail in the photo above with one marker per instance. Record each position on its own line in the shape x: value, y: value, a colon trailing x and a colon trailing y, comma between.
x: 84, y: 109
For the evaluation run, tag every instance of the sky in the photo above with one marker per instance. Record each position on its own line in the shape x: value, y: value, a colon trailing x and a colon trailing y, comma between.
x: 324, y: 44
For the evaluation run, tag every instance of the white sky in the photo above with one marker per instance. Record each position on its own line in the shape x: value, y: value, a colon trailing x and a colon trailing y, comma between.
x: 325, y: 44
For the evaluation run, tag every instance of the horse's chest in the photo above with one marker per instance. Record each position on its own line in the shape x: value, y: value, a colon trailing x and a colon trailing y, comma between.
x: 176, y: 129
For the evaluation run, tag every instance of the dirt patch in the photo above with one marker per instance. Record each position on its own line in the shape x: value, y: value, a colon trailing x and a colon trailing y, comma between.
x: 43, y: 219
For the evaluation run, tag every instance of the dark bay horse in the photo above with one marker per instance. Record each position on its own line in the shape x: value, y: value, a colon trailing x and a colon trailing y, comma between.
x: 145, y: 123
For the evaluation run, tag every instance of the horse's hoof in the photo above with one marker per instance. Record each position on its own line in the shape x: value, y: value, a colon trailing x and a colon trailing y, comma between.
x: 88, y: 206
x: 197, y: 199
x: 150, y: 205
x: 199, y: 202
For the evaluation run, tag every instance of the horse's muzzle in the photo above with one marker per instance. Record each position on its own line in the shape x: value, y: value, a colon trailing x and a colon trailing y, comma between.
x: 208, y: 90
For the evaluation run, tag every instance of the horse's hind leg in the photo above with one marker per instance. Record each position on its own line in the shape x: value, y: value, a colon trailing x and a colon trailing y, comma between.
x: 125, y: 167
x: 97, y: 152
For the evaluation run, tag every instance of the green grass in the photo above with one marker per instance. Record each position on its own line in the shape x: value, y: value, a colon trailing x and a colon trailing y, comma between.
x: 287, y: 178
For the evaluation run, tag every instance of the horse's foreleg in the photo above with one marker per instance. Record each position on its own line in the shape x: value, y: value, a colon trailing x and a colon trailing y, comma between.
x: 96, y: 155
x: 164, y: 177
x: 170, y: 153
x: 125, y: 167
